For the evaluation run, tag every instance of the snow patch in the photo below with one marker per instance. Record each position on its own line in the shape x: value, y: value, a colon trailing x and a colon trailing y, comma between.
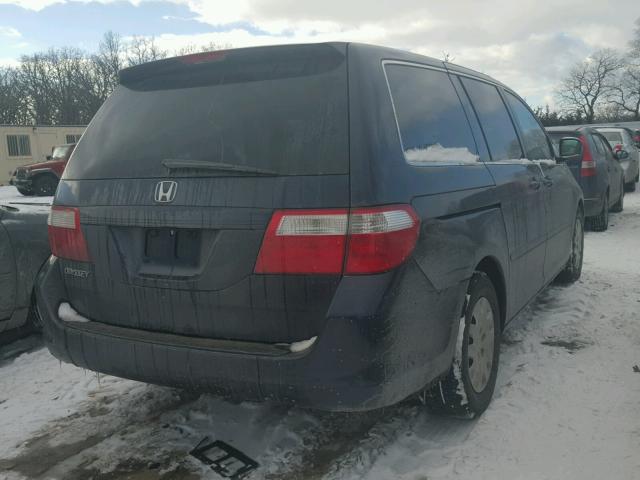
x: 457, y: 359
x: 296, y: 347
x: 68, y: 314
x: 438, y: 154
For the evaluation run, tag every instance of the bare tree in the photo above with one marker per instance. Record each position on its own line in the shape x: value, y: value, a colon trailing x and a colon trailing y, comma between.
x: 208, y: 47
x: 589, y: 83
x: 12, y: 102
x: 142, y: 50
x: 108, y: 61
x: 626, y: 93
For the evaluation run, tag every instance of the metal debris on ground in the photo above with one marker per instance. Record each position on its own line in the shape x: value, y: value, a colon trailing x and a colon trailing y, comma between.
x: 223, y: 459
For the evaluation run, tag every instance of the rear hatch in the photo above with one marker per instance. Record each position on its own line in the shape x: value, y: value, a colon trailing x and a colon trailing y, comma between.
x: 178, y: 176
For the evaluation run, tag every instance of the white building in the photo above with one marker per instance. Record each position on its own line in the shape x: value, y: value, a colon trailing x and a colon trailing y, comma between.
x: 21, y: 145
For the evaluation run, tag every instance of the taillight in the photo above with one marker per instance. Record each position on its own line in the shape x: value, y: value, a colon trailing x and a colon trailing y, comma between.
x: 617, y: 148
x: 360, y: 241
x: 588, y: 166
x: 65, y: 234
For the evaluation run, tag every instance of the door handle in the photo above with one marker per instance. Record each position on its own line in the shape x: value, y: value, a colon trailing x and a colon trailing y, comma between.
x: 534, y: 184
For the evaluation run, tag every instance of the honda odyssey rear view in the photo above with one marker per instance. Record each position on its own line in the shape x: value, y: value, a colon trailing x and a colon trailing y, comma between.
x: 338, y: 226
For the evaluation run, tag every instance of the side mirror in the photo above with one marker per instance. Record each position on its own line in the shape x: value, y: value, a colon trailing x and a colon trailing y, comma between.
x: 569, y: 147
x: 49, y: 157
x: 621, y: 154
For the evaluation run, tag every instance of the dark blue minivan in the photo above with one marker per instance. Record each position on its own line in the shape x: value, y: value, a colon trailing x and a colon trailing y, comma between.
x: 334, y: 225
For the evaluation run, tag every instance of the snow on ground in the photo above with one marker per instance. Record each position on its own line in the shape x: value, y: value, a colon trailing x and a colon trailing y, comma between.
x: 9, y: 195
x: 567, y: 405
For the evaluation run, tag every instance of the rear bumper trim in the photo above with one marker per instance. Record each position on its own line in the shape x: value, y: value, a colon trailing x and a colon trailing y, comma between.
x: 171, y: 340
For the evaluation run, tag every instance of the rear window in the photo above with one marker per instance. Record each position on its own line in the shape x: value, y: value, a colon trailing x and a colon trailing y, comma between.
x: 432, y: 124
x: 279, y: 109
x: 614, y: 138
x: 61, y: 152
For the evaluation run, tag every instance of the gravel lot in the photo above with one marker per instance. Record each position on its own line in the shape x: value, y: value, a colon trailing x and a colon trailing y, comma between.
x: 567, y: 404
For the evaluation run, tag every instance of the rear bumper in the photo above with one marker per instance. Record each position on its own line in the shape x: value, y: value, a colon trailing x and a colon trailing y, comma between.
x: 359, y: 362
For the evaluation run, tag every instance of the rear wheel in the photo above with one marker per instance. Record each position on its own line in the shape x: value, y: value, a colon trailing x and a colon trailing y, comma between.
x: 467, y: 388
x: 25, y: 192
x: 631, y: 186
x: 619, y: 205
x: 600, y: 222
x: 45, y: 185
x: 573, y: 268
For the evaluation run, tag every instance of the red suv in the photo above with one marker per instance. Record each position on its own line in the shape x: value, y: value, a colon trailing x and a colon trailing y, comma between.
x: 42, y: 178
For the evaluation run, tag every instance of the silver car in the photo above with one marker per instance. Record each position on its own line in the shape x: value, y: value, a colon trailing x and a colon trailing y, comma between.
x: 621, y: 139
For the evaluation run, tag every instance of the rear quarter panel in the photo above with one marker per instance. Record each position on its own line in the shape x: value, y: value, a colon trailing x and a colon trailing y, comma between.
x: 461, y: 220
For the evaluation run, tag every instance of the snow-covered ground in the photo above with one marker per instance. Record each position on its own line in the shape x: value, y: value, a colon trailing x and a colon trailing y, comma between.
x: 10, y: 195
x: 567, y: 405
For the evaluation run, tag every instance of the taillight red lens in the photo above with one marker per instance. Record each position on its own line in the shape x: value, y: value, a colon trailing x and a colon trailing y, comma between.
x: 380, y: 238
x: 65, y: 234
x: 372, y: 240
x: 304, y: 241
x: 588, y: 166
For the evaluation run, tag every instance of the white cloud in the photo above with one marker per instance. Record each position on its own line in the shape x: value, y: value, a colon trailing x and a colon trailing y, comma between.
x: 31, y: 4
x: 9, y: 32
x: 527, y: 44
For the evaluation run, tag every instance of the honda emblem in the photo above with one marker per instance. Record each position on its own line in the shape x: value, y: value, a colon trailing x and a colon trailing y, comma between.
x: 166, y: 191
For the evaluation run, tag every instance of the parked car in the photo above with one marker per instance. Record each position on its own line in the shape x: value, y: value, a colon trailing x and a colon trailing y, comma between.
x: 596, y: 169
x: 621, y: 139
x: 359, y: 231
x: 42, y: 178
x: 24, y: 247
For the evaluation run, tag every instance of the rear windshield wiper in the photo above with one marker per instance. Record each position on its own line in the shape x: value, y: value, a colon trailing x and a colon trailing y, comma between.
x: 176, y: 164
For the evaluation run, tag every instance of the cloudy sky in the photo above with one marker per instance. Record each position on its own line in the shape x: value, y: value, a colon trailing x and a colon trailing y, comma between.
x: 523, y: 43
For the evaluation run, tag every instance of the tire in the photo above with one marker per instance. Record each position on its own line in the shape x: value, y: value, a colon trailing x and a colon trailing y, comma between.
x: 600, y: 223
x: 466, y: 390
x: 619, y: 205
x: 33, y: 323
x: 631, y: 186
x: 45, y: 185
x: 573, y: 268
x: 26, y: 193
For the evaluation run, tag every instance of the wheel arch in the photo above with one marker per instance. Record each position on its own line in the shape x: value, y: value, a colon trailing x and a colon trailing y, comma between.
x: 42, y: 173
x: 491, y: 267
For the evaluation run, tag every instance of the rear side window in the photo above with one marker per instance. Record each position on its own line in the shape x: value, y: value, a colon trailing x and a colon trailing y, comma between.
x: 614, y: 138
x: 432, y: 124
x: 533, y: 137
x: 495, y: 121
